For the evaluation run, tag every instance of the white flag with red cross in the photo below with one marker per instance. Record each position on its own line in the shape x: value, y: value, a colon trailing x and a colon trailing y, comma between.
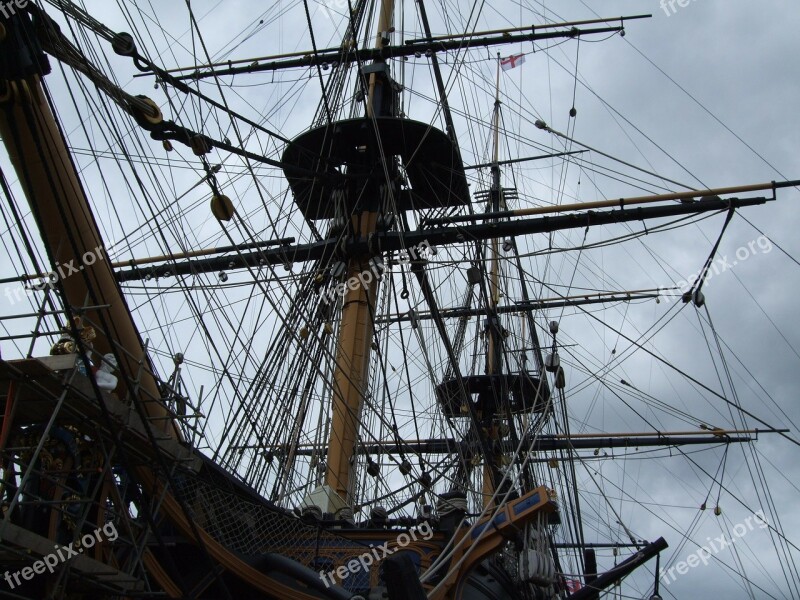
x: 510, y: 62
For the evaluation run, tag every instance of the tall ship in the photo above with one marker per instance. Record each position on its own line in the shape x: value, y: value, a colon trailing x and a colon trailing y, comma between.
x: 335, y: 301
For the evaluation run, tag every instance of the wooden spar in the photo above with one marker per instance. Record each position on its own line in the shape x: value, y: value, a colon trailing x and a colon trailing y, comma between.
x: 710, y: 432
x: 240, y: 61
x: 302, y: 53
x: 39, y: 154
x: 150, y: 260
x: 357, y: 326
x: 348, y: 55
x: 46, y: 172
x: 643, y: 199
x: 544, y: 303
x: 136, y: 262
x: 528, y: 28
x: 540, y: 210
x: 384, y: 24
x: 619, y: 203
x: 352, y: 363
x: 389, y: 241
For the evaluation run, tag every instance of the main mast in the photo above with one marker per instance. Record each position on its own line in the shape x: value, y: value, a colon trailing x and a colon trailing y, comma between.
x: 358, y: 308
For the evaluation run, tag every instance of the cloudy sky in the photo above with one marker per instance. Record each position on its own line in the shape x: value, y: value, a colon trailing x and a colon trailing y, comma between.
x: 705, y: 95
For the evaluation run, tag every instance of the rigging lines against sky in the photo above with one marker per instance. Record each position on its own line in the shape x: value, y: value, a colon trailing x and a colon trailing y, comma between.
x: 258, y: 384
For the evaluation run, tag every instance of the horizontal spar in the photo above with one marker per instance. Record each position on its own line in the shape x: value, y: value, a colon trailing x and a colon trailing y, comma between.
x: 541, y: 444
x: 364, y: 55
x: 687, y: 196
x: 475, y: 34
x: 520, y: 307
x: 591, y: 590
x: 395, y: 241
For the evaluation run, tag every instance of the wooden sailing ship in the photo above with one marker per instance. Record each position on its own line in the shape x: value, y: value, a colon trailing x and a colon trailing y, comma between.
x: 104, y: 455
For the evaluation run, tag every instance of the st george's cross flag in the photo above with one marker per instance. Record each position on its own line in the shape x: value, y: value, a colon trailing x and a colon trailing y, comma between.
x: 512, y: 61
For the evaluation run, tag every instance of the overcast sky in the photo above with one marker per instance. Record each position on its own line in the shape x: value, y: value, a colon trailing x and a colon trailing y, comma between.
x: 738, y: 62
x: 715, y: 85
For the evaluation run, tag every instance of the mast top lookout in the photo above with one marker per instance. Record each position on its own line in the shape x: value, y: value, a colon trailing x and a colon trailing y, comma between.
x: 351, y: 155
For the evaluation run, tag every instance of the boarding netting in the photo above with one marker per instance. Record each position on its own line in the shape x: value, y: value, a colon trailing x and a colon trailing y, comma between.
x: 254, y: 528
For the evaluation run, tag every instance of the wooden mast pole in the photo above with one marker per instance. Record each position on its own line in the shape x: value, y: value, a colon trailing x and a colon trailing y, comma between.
x: 357, y: 325
x: 38, y: 151
x: 494, y: 357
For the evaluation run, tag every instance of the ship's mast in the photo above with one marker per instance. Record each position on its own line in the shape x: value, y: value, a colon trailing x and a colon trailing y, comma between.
x: 39, y: 153
x: 494, y: 356
x: 357, y: 324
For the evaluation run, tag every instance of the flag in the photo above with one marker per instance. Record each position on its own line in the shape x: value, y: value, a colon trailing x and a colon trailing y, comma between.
x: 512, y: 61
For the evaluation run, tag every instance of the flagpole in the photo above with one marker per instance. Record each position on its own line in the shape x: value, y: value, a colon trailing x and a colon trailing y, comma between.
x: 497, y: 116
